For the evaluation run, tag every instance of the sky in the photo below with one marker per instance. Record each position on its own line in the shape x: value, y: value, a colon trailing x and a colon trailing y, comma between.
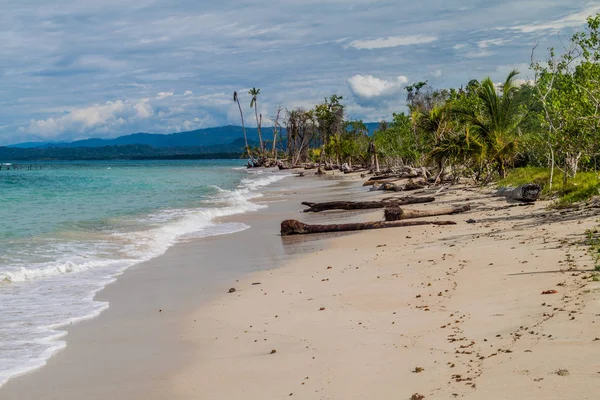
x: 74, y: 69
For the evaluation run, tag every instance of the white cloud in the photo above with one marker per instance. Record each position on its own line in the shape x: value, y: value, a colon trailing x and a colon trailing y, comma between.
x: 437, y: 73
x: 369, y: 90
x: 164, y: 95
x: 459, y: 46
x: 188, y: 93
x: 392, y: 41
x: 571, y: 20
x: 479, y: 54
x: 103, y: 118
x: 483, y: 44
x: 144, y: 109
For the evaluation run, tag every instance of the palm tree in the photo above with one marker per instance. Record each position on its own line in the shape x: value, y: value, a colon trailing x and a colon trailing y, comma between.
x: 254, y: 92
x: 496, y: 124
x: 237, y: 100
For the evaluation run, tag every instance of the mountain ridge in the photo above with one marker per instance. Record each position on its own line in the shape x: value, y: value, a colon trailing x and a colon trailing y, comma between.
x: 197, y: 138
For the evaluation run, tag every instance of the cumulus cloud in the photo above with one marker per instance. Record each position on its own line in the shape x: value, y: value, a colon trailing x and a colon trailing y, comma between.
x: 437, y: 73
x: 392, y: 41
x: 111, y: 115
x: 369, y: 90
x: 188, y: 93
x: 164, y: 95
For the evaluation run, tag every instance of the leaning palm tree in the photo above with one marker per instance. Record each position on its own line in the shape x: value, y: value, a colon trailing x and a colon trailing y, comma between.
x: 496, y: 124
x: 254, y: 92
x: 237, y: 100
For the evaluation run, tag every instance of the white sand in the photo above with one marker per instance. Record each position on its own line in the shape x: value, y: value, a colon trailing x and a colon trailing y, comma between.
x: 462, y: 302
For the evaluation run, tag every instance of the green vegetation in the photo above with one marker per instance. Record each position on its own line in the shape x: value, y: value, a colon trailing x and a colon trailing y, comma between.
x: 581, y: 187
x: 545, y: 131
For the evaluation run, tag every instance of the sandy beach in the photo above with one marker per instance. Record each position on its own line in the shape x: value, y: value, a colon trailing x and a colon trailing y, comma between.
x: 439, y: 311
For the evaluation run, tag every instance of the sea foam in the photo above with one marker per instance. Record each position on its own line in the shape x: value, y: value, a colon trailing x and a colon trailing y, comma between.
x: 40, y: 298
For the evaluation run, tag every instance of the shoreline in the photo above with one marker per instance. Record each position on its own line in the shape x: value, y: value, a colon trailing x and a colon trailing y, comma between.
x: 182, y: 336
x: 135, y: 298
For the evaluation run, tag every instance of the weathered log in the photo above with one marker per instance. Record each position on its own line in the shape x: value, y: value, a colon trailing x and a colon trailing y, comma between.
x: 293, y: 227
x: 398, y: 213
x: 410, y: 185
x: 529, y: 192
x: 365, y: 205
x: 376, y: 180
x: 379, y: 182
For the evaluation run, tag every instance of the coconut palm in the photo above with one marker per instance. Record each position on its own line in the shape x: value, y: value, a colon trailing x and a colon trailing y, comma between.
x: 237, y: 100
x: 496, y: 123
x: 254, y: 92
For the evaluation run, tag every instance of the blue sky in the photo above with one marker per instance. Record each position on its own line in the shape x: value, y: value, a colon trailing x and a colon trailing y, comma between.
x: 77, y: 69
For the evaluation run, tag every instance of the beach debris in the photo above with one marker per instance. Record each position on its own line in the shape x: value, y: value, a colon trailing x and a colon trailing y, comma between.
x: 398, y: 213
x: 563, y: 372
x: 294, y: 227
x: 408, y: 186
x: 471, y: 221
x: 232, y: 290
x: 273, y: 351
x: 365, y: 205
x: 529, y: 192
x: 322, y: 309
x: 255, y: 283
x: 549, y: 291
x: 417, y: 396
x: 418, y: 370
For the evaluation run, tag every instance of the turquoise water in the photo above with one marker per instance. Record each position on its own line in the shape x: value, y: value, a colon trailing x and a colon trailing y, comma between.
x: 68, y: 229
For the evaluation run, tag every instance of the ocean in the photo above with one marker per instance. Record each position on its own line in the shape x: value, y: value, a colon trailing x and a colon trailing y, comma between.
x: 70, y: 228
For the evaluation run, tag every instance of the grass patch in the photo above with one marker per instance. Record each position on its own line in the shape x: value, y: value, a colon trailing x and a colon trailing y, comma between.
x: 584, y: 186
x: 592, y: 239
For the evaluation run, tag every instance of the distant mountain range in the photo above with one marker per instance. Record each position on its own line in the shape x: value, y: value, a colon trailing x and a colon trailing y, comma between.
x: 200, y: 137
x: 221, y: 142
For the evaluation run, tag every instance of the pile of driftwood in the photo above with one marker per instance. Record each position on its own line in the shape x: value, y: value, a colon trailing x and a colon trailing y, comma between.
x: 395, y: 216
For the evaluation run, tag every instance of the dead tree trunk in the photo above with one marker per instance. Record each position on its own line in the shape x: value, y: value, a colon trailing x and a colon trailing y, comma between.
x: 529, y: 192
x: 410, y: 185
x: 397, y: 213
x: 293, y: 227
x: 365, y: 205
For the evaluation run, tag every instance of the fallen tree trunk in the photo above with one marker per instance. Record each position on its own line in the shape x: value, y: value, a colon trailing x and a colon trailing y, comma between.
x: 529, y: 192
x: 377, y: 180
x: 365, y: 205
x: 397, y: 213
x: 293, y: 227
x: 410, y: 185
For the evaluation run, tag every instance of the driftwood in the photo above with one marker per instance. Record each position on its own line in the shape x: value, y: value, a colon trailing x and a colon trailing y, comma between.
x: 379, y: 181
x: 365, y: 205
x: 408, y: 186
x: 293, y: 227
x: 397, y: 213
x: 529, y: 192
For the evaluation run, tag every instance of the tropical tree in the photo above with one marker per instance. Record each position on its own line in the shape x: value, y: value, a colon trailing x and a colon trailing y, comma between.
x: 254, y: 92
x: 496, y: 124
x: 330, y: 122
x: 237, y: 100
